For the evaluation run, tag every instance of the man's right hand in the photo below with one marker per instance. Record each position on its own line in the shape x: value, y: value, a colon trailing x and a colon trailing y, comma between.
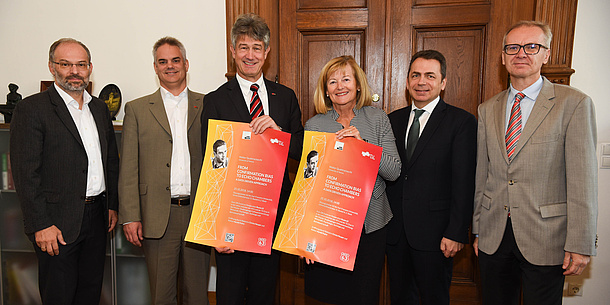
x: 133, y: 233
x: 47, y: 239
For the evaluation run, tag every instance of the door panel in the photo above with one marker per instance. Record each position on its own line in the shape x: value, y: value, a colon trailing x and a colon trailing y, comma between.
x: 317, y: 49
x: 382, y: 35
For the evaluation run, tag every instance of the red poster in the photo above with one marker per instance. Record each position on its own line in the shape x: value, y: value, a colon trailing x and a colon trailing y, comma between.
x: 239, y: 188
x: 329, y: 199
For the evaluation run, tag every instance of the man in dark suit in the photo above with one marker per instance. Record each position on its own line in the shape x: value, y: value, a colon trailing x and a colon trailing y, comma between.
x: 65, y: 166
x: 251, y: 98
x: 432, y: 199
x: 161, y: 161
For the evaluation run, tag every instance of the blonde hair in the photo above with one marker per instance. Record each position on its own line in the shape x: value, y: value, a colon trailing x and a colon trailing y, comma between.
x: 363, y: 97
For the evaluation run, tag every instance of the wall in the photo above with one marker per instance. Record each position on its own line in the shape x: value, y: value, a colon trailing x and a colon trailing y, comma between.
x: 119, y: 34
x: 591, y: 45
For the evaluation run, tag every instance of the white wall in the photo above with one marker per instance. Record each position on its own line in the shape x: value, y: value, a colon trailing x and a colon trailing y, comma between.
x: 591, y: 62
x: 120, y: 35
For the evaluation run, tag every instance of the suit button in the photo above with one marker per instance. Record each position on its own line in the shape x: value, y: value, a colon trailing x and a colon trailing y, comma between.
x: 511, y: 182
x: 167, y: 188
x: 167, y: 164
x: 506, y: 208
x: 406, y: 177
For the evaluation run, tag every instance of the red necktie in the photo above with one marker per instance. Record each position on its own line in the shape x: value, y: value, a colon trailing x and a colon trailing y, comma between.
x: 513, y: 132
x: 256, y: 107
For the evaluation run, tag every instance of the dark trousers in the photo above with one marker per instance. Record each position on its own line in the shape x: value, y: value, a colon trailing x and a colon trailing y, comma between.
x: 75, y: 275
x: 417, y: 275
x: 246, y: 278
x: 506, y: 272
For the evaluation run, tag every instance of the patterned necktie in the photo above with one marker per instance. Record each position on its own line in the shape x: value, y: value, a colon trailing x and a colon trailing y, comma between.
x: 413, y: 134
x: 513, y: 132
x: 256, y: 107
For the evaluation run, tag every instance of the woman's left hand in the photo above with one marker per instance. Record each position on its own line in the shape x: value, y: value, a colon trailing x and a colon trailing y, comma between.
x: 351, y: 131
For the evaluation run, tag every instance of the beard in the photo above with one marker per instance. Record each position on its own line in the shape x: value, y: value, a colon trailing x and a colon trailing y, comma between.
x: 72, y: 85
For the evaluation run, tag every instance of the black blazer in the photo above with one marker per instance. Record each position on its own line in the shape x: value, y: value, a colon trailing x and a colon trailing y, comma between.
x: 227, y: 103
x: 49, y: 163
x: 433, y: 197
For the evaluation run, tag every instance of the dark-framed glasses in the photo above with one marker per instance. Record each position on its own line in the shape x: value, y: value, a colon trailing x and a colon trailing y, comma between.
x: 64, y: 65
x: 529, y: 49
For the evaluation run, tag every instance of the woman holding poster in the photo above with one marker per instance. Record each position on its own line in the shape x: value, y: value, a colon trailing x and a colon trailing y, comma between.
x: 343, y: 103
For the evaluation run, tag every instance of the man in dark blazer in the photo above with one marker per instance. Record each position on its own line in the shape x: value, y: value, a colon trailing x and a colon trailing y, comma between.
x: 161, y: 161
x: 242, y: 275
x: 65, y: 166
x: 433, y: 197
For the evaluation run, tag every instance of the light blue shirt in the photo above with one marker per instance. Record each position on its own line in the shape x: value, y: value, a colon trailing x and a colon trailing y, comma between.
x: 527, y: 103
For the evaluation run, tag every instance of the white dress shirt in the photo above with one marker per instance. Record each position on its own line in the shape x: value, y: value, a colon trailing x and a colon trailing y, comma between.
x: 244, y: 85
x: 176, y: 108
x: 87, y: 129
x: 423, y: 119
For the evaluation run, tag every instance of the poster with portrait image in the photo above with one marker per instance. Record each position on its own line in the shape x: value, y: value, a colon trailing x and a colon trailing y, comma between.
x: 239, y: 188
x: 329, y: 199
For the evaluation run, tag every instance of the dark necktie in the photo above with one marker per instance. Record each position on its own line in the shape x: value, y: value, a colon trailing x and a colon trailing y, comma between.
x: 413, y: 134
x: 256, y: 107
x: 513, y: 132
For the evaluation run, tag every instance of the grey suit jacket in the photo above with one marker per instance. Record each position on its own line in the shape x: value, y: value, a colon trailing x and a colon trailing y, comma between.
x: 550, y: 187
x: 146, y: 152
x: 50, y: 163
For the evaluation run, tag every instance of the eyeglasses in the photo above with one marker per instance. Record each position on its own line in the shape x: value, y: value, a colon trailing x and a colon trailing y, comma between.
x: 64, y: 65
x: 529, y: 49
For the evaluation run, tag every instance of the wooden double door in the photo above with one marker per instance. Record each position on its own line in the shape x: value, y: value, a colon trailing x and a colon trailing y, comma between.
x: 382, y: 35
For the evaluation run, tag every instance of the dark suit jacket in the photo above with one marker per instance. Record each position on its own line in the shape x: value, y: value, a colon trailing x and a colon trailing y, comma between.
x: 433, y: 197
x: 227, y: 103
x: 50, y: 164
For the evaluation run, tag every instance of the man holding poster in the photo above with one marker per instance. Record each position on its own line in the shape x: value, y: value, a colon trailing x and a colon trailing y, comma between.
x: 251, y: 98
x: 433, y: 198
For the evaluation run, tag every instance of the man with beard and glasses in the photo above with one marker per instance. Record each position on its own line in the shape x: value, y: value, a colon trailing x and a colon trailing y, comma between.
x: 161, y: 160
x: 65, y: 166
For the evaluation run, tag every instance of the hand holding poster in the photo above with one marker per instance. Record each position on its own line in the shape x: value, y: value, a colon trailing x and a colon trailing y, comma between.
x: 239, y: 188
x: 329, y: 199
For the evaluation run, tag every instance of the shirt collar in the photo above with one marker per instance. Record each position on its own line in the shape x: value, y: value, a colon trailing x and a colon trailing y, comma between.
x: 335, y: 115
x: 165, y: 93
x: 530, y: 92
x: 68, y: 99
x: 245, y: 84
x: 429, y: 107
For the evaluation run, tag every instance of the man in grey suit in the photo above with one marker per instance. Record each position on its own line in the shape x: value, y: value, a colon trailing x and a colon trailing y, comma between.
x: 65, y: 166
x: 536, y: 181
x: 161, y: 160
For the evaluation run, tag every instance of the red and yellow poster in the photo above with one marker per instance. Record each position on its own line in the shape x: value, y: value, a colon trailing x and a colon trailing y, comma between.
x: 239, y: 188
x: 329, y: 199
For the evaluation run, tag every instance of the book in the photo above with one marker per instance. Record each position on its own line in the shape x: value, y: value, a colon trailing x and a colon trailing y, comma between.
x: 11, y: 183
x: 5, y: 171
